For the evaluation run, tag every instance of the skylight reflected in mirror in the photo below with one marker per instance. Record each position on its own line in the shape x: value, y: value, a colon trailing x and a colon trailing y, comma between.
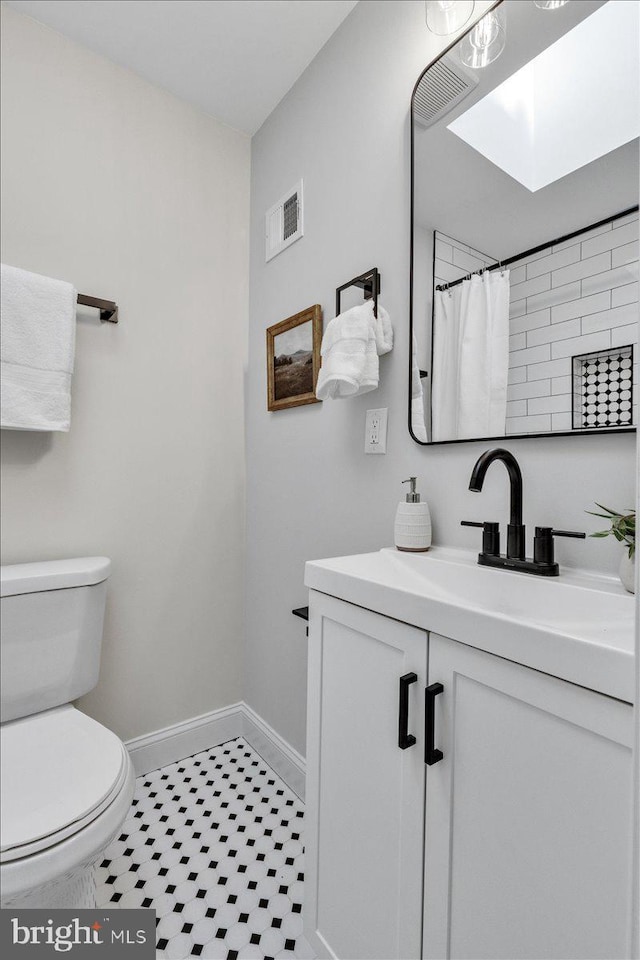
x: 563, y: 109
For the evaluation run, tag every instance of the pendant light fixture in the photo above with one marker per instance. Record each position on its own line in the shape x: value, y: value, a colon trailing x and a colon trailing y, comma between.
x: 484, y: 44
x: 447, y: 16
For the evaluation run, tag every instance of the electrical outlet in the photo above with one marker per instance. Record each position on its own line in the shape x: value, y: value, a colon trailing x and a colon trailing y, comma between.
x: 375, y: 434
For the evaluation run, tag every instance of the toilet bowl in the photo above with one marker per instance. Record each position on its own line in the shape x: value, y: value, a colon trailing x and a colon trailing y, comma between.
x: 67, y: 781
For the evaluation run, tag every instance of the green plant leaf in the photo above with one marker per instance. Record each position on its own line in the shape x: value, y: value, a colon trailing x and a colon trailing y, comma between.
x: 610, y: 512
x: 623, y: 526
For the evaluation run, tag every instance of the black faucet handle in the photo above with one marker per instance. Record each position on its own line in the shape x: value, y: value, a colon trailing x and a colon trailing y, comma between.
x: 490, y: 535
x: 543, y: 542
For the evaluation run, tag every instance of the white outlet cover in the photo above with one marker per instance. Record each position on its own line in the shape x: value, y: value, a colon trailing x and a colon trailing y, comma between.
x: 375, y: 434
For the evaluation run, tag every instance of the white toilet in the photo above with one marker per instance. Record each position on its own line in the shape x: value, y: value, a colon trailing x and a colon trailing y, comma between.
x: 67, y: 781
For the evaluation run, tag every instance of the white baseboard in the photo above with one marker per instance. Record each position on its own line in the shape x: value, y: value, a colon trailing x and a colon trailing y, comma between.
x: 280, y: 755
x: 182, y: 740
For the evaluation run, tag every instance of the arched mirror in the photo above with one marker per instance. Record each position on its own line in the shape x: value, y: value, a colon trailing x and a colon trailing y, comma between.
x: 524, y: 234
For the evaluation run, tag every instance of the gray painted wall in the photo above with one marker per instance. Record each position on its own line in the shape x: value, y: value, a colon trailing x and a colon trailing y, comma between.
x: 312, y: 492
x: 133, y: 195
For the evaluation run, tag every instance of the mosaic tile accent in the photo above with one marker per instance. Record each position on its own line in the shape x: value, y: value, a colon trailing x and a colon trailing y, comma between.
x: 603, y: 389
x: 214, y: 844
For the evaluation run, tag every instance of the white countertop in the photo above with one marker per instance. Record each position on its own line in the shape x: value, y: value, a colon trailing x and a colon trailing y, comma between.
x: 578, y: 626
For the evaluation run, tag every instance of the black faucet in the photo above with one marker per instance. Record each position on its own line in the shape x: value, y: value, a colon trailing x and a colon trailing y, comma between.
x: 543, y: 563
x: 515, y: 530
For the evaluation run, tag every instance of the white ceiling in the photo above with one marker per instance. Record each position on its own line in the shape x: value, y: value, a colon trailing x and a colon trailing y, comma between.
x: 235, y: 59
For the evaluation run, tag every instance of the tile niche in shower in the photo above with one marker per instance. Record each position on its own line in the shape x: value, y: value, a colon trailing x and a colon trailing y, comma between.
x: 603, y: 389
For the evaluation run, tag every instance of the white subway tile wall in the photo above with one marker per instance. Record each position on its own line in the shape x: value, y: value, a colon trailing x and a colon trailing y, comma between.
x: 454, y: 259
x: 577, y: 296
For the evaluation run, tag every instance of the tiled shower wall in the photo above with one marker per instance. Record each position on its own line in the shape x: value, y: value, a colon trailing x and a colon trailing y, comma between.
x: 454, y: 259
x: 571, y: 298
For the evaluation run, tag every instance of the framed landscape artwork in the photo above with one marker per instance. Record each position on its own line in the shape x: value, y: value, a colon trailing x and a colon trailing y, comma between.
x: 293, y: 359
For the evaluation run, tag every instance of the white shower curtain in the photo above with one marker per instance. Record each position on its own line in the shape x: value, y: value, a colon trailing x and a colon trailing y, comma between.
x: 471, y: 358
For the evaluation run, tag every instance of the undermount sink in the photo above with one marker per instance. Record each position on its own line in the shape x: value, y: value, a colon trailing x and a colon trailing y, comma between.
x: 579, y: 627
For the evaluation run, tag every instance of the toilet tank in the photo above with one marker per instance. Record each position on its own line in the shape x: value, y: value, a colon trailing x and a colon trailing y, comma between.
x: 51, y: 631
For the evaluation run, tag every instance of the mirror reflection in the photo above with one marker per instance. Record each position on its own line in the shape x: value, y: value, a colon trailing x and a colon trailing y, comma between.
x: 525, y: 229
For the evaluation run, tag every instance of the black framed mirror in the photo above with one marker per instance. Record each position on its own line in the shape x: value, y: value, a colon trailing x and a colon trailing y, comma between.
x: 524, y: 228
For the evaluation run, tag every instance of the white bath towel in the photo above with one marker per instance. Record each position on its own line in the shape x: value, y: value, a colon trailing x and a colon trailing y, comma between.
x: 418, y: 426
x: 38, y: 344
x: 382, y: 329
x: 351, y: 345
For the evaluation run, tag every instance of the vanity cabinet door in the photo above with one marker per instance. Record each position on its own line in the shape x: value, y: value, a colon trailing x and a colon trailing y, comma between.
x: 364, y: 795
x: 528, y: 814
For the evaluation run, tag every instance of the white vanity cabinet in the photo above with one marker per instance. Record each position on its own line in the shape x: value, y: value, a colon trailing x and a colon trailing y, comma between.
x: 528, y: 814
x: 520, y: 846
x: 364, y: 820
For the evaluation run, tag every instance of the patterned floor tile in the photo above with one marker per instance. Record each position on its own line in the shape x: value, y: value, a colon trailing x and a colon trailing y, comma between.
x: 214, y: 844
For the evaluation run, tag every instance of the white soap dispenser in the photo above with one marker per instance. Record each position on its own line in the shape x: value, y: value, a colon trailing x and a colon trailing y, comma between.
x: 412, y: 530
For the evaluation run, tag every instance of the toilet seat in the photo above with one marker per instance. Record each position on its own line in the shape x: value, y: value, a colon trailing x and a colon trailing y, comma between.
x: 60, y: 771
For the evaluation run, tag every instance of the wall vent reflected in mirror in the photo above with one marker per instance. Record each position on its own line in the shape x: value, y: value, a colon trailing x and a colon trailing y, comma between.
x: 512, y: 286
x: 449, y: 85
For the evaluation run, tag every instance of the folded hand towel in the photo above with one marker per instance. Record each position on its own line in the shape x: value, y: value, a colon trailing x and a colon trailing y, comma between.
x: 350, y: 348
x: 38, y: 344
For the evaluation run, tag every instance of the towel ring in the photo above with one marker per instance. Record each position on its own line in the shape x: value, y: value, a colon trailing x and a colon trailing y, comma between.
x: 370, y: 284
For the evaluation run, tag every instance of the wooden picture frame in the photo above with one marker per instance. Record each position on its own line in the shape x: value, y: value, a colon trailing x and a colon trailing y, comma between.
x: 293, y: 359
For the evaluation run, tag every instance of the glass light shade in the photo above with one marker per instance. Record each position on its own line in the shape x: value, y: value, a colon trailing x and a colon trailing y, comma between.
x: 447, y: 16
x: 550, y: 4
x: 484, y: 44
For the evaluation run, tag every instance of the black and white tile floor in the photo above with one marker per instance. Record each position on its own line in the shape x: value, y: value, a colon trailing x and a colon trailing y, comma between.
x: 214, y: 845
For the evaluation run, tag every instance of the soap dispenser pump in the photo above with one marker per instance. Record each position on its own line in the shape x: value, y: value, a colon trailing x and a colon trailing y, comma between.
x: 413, y: 522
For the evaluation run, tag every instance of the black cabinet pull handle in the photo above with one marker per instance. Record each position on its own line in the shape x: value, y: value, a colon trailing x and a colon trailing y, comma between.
x: 405, y: 739
x: 431, y: 754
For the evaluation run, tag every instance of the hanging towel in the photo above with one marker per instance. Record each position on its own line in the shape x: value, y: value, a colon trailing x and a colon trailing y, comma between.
x: 418, y: 426
x: 444, y: 369
x: 350, y: 348
x: 38, y: 344
x: 382, y: 329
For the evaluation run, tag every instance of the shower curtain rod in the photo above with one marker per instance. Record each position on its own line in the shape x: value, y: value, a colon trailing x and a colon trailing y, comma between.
x: 441, y: 287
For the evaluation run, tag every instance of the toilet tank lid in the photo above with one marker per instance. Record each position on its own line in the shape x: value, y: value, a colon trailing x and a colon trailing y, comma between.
x: 20, y: 578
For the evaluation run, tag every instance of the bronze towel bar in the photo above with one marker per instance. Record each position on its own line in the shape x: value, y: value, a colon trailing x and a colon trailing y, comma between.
x: 108, y: 309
